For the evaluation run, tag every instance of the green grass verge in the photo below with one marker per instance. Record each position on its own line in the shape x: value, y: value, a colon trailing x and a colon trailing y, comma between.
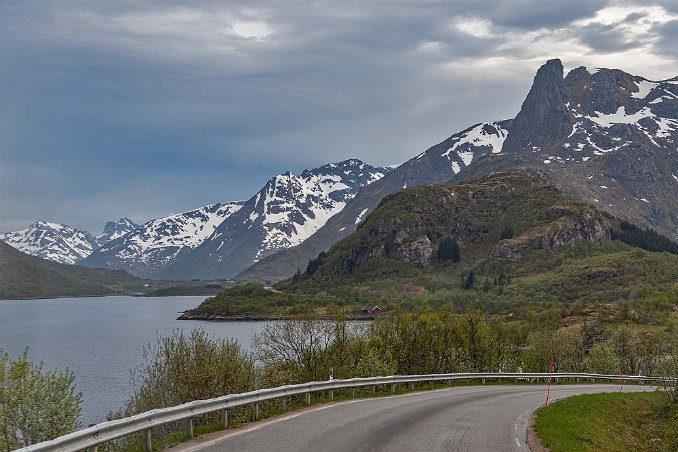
x: 609, y: 422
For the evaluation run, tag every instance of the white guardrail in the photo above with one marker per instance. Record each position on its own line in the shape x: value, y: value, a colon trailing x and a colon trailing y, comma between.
x: 89, y: 438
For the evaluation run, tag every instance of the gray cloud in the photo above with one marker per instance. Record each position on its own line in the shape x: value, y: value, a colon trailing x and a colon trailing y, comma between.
x: 669, y: 38
x: 143, y: 108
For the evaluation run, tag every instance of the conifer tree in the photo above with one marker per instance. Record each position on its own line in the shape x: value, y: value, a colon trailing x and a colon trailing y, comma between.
x: 470, y: 279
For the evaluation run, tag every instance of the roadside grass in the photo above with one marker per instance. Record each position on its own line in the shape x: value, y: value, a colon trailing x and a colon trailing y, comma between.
x: 609, y: 422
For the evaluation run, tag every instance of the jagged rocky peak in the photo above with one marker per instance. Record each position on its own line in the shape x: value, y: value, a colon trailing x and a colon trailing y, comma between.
x: 116, y: 229
x: 544, y: 116
x: 603, y: 91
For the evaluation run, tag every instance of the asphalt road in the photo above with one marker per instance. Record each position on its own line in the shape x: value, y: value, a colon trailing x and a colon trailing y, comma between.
x: 474, y: 418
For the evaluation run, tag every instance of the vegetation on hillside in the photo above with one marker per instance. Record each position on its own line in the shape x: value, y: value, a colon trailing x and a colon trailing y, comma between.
x: 24, y: 276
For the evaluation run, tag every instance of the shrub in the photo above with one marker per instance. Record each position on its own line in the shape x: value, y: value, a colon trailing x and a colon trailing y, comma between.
x: 35, y: 405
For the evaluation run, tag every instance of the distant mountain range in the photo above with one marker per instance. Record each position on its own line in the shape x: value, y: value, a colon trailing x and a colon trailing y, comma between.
x: 214, y: 241
x: 601, y: 136
x: 156, y: 244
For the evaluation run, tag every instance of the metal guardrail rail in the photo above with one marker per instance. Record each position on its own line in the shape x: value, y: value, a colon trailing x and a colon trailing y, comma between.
x: 91, y: 437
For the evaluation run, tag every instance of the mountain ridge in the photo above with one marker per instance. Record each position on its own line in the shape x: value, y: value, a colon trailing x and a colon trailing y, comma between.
x: 284, y: 213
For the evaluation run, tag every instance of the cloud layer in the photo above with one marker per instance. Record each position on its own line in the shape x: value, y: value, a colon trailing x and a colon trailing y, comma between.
x: 143, y: 108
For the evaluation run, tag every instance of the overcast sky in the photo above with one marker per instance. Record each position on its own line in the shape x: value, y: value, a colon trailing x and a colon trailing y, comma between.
x: 143, y: 108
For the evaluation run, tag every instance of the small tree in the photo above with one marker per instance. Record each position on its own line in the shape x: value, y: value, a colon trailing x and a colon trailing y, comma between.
x: 35, y: 405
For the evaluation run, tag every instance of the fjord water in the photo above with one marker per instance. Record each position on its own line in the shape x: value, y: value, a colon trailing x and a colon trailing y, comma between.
x: 101, y: 339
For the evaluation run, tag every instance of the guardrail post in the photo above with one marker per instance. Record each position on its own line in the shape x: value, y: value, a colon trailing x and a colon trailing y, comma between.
x: 331, y: 394
x: 353, y: 393
x: 148, y: 443
x: 308, y: 398
x: 374, y: 388
x: 283, y: 403
x: 392, y: 387
x: 255, y: 411
x: 483, y: 381
x: 92, y: 449
x: 224, y: 418
x: 189, y: 427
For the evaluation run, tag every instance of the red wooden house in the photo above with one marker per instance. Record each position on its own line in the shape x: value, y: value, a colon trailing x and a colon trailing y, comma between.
x: 371, y: 310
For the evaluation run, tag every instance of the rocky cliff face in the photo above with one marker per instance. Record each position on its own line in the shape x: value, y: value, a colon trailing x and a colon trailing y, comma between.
x: 583, y: 225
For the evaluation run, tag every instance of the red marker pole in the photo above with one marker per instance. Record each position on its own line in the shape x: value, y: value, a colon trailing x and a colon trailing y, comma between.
x: 548, y: 390
x: 623, y: 375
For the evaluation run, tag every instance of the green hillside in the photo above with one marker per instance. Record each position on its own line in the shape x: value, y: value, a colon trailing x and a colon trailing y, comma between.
x: 503, y: 242
x: 24, y: 276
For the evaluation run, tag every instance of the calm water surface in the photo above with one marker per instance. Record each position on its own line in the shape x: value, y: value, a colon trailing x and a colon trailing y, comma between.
x: 101, y: 339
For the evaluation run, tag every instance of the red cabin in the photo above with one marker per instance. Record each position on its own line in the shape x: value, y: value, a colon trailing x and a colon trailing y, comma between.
x: 371, y: 310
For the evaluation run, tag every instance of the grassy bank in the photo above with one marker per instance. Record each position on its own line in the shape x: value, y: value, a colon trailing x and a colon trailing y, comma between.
x: 609, y: 422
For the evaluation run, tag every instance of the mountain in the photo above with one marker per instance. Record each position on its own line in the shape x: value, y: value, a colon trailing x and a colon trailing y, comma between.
x: 501, y: 241
x: 53, y: 241
x: 604, y: 136
x: 149, y: 248
x: 114, y: 230
x: 284, y: 213
x: 26, y: 276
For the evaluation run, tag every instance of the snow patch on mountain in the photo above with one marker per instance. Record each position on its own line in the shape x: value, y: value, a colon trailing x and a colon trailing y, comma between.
x: 644, y: 88
x: 485, y: 134
x: 360, y: 216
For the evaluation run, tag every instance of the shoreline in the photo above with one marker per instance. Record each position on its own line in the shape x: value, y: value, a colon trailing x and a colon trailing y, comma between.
x: 265, y: 318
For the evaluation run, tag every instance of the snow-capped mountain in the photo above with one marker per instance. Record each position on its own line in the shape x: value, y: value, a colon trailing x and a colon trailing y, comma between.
x: 53, y: 241
x: 149, y: 248
x: 114, y: 230
x: 602, y: 136
x: 284, y: 213
x: 605, y: 137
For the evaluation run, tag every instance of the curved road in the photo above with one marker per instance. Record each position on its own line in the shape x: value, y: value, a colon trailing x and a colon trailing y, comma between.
x: 473, y: 418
